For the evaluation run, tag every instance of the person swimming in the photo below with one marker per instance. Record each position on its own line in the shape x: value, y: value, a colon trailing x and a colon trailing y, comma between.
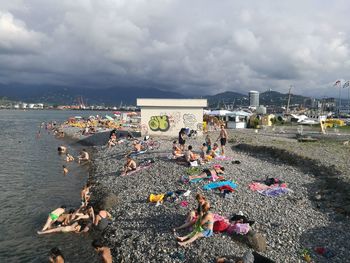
x: 65, y: 170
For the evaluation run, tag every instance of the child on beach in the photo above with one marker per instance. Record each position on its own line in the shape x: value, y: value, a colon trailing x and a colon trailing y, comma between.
x: 176, y: 151
x: 208, y: 143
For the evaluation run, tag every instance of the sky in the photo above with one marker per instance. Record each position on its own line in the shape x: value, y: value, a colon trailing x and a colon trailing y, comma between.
x: 191, y: 47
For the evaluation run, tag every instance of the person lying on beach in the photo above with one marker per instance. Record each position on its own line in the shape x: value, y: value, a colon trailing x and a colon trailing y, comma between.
x: 56, y: 256
x: 53, y: 216
x: 65, y: 170
x: 85, y: 195
x: 103, y: 251
x: 69, y: 158
x: 77, y: 227
x: 203, y: 227
x: 84, y: 156
x: 176, y: 151
x: 61, y: 149
x: 248, y: 257
x: 102, y: 220
x: 193, y: 215
x: 212, y: 173
x: 130, y: 165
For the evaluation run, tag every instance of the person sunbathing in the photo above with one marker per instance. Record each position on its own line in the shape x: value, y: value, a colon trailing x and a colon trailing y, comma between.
x: 215, y: 151
x: 203, y: 227
x: 190, y: 156
x: 53, y: 216
x: 193, y: 215
x: 77, y: 227
x: 176, y: 151
x: 130, y: 165
x: 213, y: 173
x: 137, y: 146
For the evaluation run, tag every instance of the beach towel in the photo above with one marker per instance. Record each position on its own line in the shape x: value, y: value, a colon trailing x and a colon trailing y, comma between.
x: 219, y: 184
x: 274, y: 192
x: 255, y: 186
x: 238, y: 228
x: 140, y: 168
x: 137, y: 153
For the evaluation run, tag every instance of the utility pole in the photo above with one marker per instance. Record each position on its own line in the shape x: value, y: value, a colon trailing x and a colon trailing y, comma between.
x: 289, y: 95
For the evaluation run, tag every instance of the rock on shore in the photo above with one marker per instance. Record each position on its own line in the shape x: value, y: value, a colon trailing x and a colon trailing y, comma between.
x: 142, y: 232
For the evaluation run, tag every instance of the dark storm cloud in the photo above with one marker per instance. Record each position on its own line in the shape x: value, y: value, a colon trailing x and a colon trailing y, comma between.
x: 193, y: 47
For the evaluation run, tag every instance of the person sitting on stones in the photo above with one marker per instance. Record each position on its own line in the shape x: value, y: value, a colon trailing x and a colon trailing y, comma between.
x: 130, y: 165
x: 215, y: 151
x: 193, y: 215
x: 190, y: 156
x: 203, y: 227
x: 176, y: 151
x: 102, y: 220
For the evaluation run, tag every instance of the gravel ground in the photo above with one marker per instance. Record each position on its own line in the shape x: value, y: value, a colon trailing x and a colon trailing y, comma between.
x: 141, y: 232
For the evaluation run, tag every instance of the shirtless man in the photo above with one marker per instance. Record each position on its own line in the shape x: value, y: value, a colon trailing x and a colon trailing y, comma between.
x: 105, y: 252
x: 130, y: 165
x: 53, y: 216
x: 223, y: 139
x: 137, y: 146
x: 84, y: 156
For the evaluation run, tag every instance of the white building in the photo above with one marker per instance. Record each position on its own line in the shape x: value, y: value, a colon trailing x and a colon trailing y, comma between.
x: 166, y: 117
x: 253, y: 98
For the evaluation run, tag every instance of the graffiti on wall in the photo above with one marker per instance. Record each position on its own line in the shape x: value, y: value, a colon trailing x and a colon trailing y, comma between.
x: 190, y: 120
x: 159, y: 123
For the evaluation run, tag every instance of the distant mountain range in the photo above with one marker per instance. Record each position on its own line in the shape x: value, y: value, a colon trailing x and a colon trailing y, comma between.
x: 114, y: 96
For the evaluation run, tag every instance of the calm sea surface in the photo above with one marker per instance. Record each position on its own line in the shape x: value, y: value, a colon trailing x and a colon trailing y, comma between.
x: 32, y: 184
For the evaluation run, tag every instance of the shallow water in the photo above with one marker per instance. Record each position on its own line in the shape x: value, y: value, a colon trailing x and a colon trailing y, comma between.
x: 32, y: 184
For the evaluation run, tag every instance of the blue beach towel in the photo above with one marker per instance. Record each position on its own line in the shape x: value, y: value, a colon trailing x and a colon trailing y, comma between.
x: 219, y: 184
x: 137, y: 153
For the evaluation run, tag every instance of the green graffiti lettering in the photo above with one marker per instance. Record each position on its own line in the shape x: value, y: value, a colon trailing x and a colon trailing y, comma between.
x: 159, y: 123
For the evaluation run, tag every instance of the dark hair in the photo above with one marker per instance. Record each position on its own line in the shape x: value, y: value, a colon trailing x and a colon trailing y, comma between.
x: 222, y: 168
x: 204, y: 144
x: 55, y: 252
x: 63, y: 166
x: 84, y: 150
x: 174, y: 141
x: 190, y: 147
x: 71, y: 211
x: 96, y: 243
x: 82, y: 225
x: 63, y: 206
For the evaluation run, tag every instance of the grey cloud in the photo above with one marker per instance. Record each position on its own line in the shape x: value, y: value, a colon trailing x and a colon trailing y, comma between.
x: 190, y: 46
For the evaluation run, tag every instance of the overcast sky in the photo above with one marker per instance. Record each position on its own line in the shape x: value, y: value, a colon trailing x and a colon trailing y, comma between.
x: 189, y: 46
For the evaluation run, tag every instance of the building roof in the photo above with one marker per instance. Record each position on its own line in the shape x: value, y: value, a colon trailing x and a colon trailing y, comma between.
x: 184, y: 103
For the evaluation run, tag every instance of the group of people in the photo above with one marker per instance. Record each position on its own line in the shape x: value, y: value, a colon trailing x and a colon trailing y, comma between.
x: 208, y: 150
x: 80, y: 220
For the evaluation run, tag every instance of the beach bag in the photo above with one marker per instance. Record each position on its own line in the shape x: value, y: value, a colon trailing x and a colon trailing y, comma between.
x: 220, y: 226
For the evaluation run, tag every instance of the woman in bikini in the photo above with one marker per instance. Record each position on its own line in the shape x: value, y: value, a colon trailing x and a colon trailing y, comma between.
x: 203, y: 227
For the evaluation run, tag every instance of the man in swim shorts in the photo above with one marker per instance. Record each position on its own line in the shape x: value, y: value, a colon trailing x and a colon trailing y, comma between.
x: 223, y: 139
x: 53, y: 216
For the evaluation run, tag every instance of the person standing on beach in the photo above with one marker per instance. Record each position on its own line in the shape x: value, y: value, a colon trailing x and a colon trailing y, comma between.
x: 223, y: 139
x: 103, y: 251
x: 182, y: 140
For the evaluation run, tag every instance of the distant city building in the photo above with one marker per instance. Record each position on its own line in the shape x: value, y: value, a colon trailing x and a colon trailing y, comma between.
x: 253, y: 98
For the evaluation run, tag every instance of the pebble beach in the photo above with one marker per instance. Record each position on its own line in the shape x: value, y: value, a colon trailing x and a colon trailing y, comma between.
x: 142, y: 231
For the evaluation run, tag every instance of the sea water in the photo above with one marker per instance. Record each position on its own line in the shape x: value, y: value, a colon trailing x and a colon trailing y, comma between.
x: 32, y: 184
